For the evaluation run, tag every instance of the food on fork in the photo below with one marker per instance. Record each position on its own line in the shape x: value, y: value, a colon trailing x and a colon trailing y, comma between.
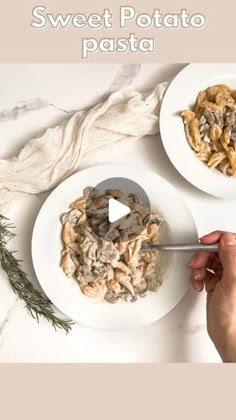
x: 210, y: 128
x: 105, y: 258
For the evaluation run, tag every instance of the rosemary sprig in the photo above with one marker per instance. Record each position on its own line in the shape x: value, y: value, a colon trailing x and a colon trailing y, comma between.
x: 36, y: 303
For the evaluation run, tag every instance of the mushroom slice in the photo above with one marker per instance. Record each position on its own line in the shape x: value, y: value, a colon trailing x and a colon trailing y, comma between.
x: 108, y: 253
x: 112, y: 234
x: 84, y: 275
x: 210, y: 117
x: 128, y: 222
x: 153, y: 218
x: 111, y: 297
x: 89, y: 251
x: 149, y: 268
x: 139, y: 208
x: 124, y: 236
x: 153, y: 282
x: 152, y: 231
x: 72, y: 217
x: 141, y: 288
x: 84, y: 230
x: 118, y: 194
x: 98, y: 270
x: 87, y: 191
x: 102, y: 228
x: 100, y: 202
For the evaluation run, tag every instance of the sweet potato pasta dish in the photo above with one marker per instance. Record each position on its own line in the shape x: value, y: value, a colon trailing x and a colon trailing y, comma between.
x: 210, y: 128
x: 110, y: 269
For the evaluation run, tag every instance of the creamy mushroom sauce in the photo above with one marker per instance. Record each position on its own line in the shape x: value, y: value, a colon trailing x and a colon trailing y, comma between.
x: 111, y: 270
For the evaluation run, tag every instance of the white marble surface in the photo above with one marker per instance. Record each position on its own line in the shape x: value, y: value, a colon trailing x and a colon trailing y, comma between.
x: 181, y: 335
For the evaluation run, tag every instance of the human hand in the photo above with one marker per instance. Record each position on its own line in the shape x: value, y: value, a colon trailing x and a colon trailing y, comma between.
x: 217, y: 272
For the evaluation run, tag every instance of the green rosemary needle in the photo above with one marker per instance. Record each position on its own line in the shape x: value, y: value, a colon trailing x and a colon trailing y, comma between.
x: 36, y: 303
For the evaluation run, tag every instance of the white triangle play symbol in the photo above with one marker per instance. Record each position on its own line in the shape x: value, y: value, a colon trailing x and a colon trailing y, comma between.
x: 117, y: 210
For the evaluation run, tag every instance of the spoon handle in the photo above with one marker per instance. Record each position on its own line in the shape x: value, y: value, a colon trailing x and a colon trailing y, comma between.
x: 198, y: 246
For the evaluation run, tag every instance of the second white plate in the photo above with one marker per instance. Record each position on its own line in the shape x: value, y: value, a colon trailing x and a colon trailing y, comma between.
x: 181, y: 95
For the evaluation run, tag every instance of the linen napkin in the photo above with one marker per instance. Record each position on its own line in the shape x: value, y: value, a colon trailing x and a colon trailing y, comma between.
x: 47, y: 160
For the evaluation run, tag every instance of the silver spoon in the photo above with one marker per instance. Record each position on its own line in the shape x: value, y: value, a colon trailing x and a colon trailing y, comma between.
x: 198, y: 246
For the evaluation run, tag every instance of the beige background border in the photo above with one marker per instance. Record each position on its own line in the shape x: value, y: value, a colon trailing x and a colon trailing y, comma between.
x: 214, y: 43
x: 117, y: 392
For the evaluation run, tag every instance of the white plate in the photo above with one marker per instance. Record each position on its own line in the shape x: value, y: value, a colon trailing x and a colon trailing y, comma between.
x: 65, y: 293
x: 181, y: 95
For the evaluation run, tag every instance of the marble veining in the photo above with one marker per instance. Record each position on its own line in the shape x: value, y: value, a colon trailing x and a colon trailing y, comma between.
x: 7, y: 319
x: 193, y: 329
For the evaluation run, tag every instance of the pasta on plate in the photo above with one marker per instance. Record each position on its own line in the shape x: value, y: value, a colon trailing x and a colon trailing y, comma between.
x: 106, y: 260
x: 210, y: 128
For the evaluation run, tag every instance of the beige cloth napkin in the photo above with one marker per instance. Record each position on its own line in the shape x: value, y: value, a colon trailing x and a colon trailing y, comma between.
x: 47, y: 160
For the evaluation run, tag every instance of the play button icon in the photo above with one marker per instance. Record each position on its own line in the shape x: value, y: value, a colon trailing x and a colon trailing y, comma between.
x: 116, y: 210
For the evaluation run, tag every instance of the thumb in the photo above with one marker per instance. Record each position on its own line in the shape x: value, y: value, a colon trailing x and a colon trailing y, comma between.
x: 227, y: 253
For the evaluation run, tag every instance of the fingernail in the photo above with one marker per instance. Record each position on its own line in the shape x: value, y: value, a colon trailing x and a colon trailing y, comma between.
x: 192, y: 261
x: 198, y: 286
x: 228, y: 239
x: 196, y: 275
